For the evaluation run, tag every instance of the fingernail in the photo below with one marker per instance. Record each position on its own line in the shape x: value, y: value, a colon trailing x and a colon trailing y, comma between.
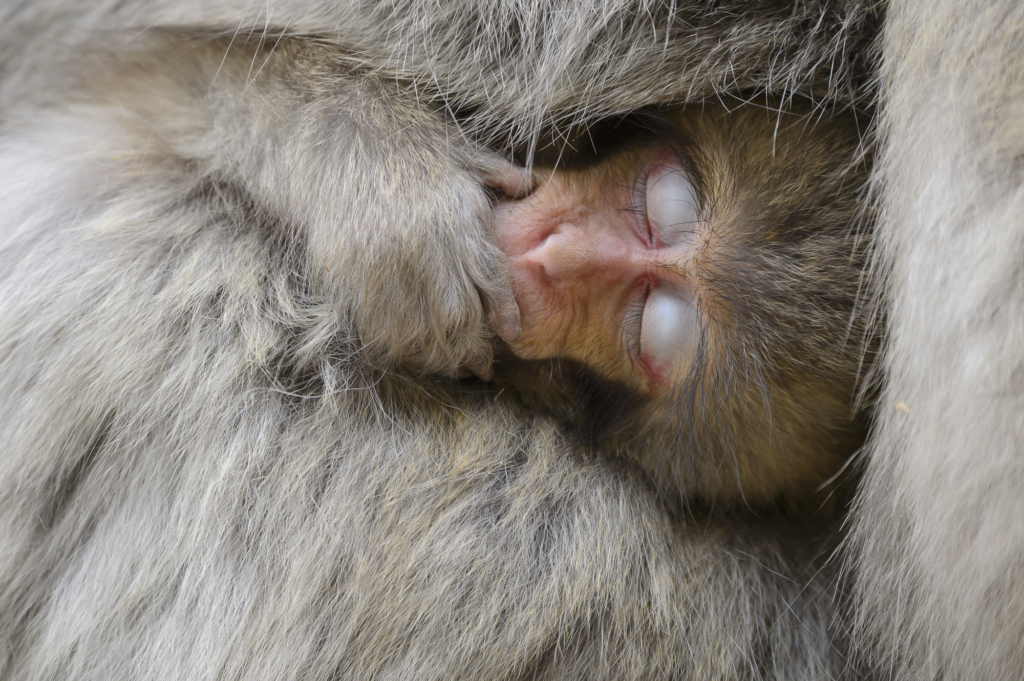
x: 509, y: 330
x: 507, y: 323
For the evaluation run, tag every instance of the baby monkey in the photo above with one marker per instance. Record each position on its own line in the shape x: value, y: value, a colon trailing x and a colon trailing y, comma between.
x: 691, y: 297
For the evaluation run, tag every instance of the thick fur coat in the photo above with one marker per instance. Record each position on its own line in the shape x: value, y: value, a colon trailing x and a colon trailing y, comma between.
x: 221, y: 457
x: 939, y: 526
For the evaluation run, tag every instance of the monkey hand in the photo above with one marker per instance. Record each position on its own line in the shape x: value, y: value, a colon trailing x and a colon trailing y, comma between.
x: 387, y: 202
x: 417, y: 273
x: 514, y: 183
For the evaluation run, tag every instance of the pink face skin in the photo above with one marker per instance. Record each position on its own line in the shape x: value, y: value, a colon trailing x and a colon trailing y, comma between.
x: 602, y: 269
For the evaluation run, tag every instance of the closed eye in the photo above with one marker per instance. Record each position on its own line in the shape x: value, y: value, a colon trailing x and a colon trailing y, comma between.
x: 633, y: 320
x: 669, y: 331
x: 670, y: 204
x: 638, y: 209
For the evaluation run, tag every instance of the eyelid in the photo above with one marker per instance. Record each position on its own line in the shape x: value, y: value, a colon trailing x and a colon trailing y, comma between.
x: 675, y: 212
x: 674, y: 332
x: 643, y: 226
x: 633, y: 317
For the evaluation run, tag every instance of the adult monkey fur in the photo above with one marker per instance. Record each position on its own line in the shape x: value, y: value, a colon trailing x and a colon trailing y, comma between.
x: 210, y: 469
x: 743, y: 49
x: 938, y: 526
x: 413, y: 525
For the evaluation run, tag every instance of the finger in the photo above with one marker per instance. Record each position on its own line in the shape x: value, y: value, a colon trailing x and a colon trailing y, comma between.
x: 506, y: 321
x: 481, y: 368
x: 511, y: 180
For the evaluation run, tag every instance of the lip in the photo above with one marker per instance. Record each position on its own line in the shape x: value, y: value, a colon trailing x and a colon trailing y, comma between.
x: 510, y: 221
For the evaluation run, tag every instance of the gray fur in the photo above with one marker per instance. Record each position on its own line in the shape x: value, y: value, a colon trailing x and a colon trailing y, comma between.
x: 524, y: 63
x: 221, y: 455
x: 940, y: 521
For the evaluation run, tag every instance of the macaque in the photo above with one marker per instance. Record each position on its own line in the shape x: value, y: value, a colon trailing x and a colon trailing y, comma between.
x: 238, y: 278
x: 710, y: 271
x: 244, y: 245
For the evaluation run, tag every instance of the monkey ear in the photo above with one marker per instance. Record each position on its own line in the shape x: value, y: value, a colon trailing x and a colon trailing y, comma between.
x: 511, y: 180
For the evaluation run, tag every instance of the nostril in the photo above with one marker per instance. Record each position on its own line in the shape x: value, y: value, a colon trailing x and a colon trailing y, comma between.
x: 559, y: 256
x: 542, y: 273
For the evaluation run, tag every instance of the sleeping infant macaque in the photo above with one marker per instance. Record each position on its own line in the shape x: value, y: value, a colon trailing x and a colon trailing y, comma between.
x: 693, y: 298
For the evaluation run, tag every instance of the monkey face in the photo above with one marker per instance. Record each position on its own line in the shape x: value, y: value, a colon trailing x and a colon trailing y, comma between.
x: 604, y: 268
x: 712, y: 272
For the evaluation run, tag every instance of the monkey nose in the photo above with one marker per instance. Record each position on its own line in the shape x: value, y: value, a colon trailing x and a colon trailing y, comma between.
x: 563, y: 256
x: 571, y: 254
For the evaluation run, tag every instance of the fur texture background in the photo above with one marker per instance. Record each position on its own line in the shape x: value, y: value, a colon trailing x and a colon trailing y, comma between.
x: 940, y: 519
x: 226, y: 241
x: 211, y: 467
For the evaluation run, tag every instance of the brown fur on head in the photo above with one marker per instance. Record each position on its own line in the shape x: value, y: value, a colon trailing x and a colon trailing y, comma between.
x: 768, y: 406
